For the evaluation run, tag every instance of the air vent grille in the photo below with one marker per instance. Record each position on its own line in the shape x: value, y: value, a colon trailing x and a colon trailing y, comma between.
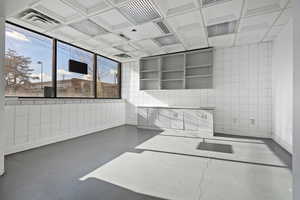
x: 38, y: 19
x: 207, y: 3
x: 139, y: 11
x: 221, y: 29
x: 163, y: 27
x: 123, y: 55
x: 166, y: 40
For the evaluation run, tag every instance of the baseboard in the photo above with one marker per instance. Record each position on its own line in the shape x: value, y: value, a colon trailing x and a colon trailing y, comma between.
x: 27, y: 146
x: 283, y: 144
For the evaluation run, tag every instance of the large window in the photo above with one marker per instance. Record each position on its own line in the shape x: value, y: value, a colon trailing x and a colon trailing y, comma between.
x: 29, y: 69
x: 71, y: 84
x: 28, y: 62
x: 108, y: 78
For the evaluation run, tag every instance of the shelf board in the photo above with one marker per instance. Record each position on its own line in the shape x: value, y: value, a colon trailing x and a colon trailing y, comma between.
x: 149, y: 79
x: 175, y: 70
x: 200, y: 76
x: 145, y: 71
x: 172, y: 80
x: 198, y: 66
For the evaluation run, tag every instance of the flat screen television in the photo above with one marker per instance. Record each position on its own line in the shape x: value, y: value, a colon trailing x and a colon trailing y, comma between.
x: 78, y: 67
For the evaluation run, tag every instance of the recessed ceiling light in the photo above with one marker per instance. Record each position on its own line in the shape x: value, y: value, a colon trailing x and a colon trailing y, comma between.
x: 221, y: 29
x: 139, y: 11
x: 89, y: 27
x: 166, y: 40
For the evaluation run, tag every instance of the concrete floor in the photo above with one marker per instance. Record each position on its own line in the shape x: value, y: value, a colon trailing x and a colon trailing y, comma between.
x: 126, y: 163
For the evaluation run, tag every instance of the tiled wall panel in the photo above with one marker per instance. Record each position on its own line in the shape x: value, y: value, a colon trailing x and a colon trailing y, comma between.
x: 242, y: 91
x: 33, y: 123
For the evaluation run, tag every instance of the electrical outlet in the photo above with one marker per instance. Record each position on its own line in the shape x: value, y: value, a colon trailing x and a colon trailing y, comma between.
x: 252, y: 121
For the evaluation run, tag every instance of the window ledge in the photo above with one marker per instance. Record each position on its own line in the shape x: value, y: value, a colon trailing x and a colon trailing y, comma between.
x: 46, y: 101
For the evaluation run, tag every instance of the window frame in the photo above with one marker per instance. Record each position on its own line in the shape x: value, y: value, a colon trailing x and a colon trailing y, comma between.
x: 54, y: 68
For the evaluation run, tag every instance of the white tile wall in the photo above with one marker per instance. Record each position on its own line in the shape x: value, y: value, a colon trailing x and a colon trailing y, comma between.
x: 33, y: 123
x: 242, y: 91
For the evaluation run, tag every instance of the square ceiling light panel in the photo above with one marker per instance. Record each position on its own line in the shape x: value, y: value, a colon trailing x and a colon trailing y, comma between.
x: 58, y: 10
x: 222, y: 29
x: 260, y: 7
x: 69, y: 34
x: 222, y: 41
x: 257, y: 23
x: 112, y: 39
x: 140, y: 11
x: 112, y: 20
x: 167, y: 40
x: 176, y: 7
x: 88, y: 6
x: 143, y: 31
x: 222, y: 12
x: 89, y: 27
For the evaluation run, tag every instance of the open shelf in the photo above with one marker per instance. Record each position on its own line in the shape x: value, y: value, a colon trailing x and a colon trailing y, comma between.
x: 184, y: 70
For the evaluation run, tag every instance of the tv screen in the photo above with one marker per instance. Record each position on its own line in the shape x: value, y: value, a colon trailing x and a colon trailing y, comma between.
x: 78, y: 67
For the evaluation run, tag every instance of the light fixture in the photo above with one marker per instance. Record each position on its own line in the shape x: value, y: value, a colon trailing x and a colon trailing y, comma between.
x: 166, y: 40
x: 221, y: 29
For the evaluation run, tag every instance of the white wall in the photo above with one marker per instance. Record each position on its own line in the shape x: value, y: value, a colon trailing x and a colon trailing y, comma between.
x: 242, y: 79
x: 296, y: 103
x: 2, y: 31
x: 282, y: 87
x: 33, y: 123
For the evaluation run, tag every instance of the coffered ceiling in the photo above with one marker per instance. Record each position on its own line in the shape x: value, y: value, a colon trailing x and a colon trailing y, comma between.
x: 148, y: 27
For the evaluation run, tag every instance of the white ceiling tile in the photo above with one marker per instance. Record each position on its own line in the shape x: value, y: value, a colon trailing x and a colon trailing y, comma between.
x: 89, y: 27
x: 68, y: 33
x: 148, y: 46
x: 112, y: 51
x: 93, y: 44
x: 126, y: 48
x: 185, y: 19
x: 173, y: 48
x: 175, y: 7
x: 273, y: 33
x: 88, y: 6
x: 222, y: 40
x: 138, y: 54
x: 259, y: 22
x: 112, y: 20
x: 260, y: 7
x: 112, y: 38
x: 250, y: 37
x: 58, y: 10
x: 284, y: 17
x: 144, y: 31
x: 193, y: 36
x: 224, y: 12
x: 118, y: 2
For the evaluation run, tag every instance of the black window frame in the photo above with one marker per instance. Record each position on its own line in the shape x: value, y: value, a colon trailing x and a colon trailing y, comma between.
x: 54, y: 68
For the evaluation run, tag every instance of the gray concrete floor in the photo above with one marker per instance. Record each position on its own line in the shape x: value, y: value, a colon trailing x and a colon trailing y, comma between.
x: 109, y: 165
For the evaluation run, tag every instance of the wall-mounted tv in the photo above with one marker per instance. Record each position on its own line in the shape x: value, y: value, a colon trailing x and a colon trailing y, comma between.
x: 78, y: 67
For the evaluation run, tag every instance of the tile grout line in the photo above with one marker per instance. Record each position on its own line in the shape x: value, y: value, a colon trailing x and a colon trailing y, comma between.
x: 203, y: 179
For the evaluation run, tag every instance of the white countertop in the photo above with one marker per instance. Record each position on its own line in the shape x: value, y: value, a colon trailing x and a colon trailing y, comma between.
x: 178, y: 107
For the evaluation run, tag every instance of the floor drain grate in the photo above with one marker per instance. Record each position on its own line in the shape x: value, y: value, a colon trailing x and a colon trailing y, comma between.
x: 222, y: 148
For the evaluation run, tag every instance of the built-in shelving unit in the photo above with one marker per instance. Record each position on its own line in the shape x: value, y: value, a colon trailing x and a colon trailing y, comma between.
x: 184, y: 70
